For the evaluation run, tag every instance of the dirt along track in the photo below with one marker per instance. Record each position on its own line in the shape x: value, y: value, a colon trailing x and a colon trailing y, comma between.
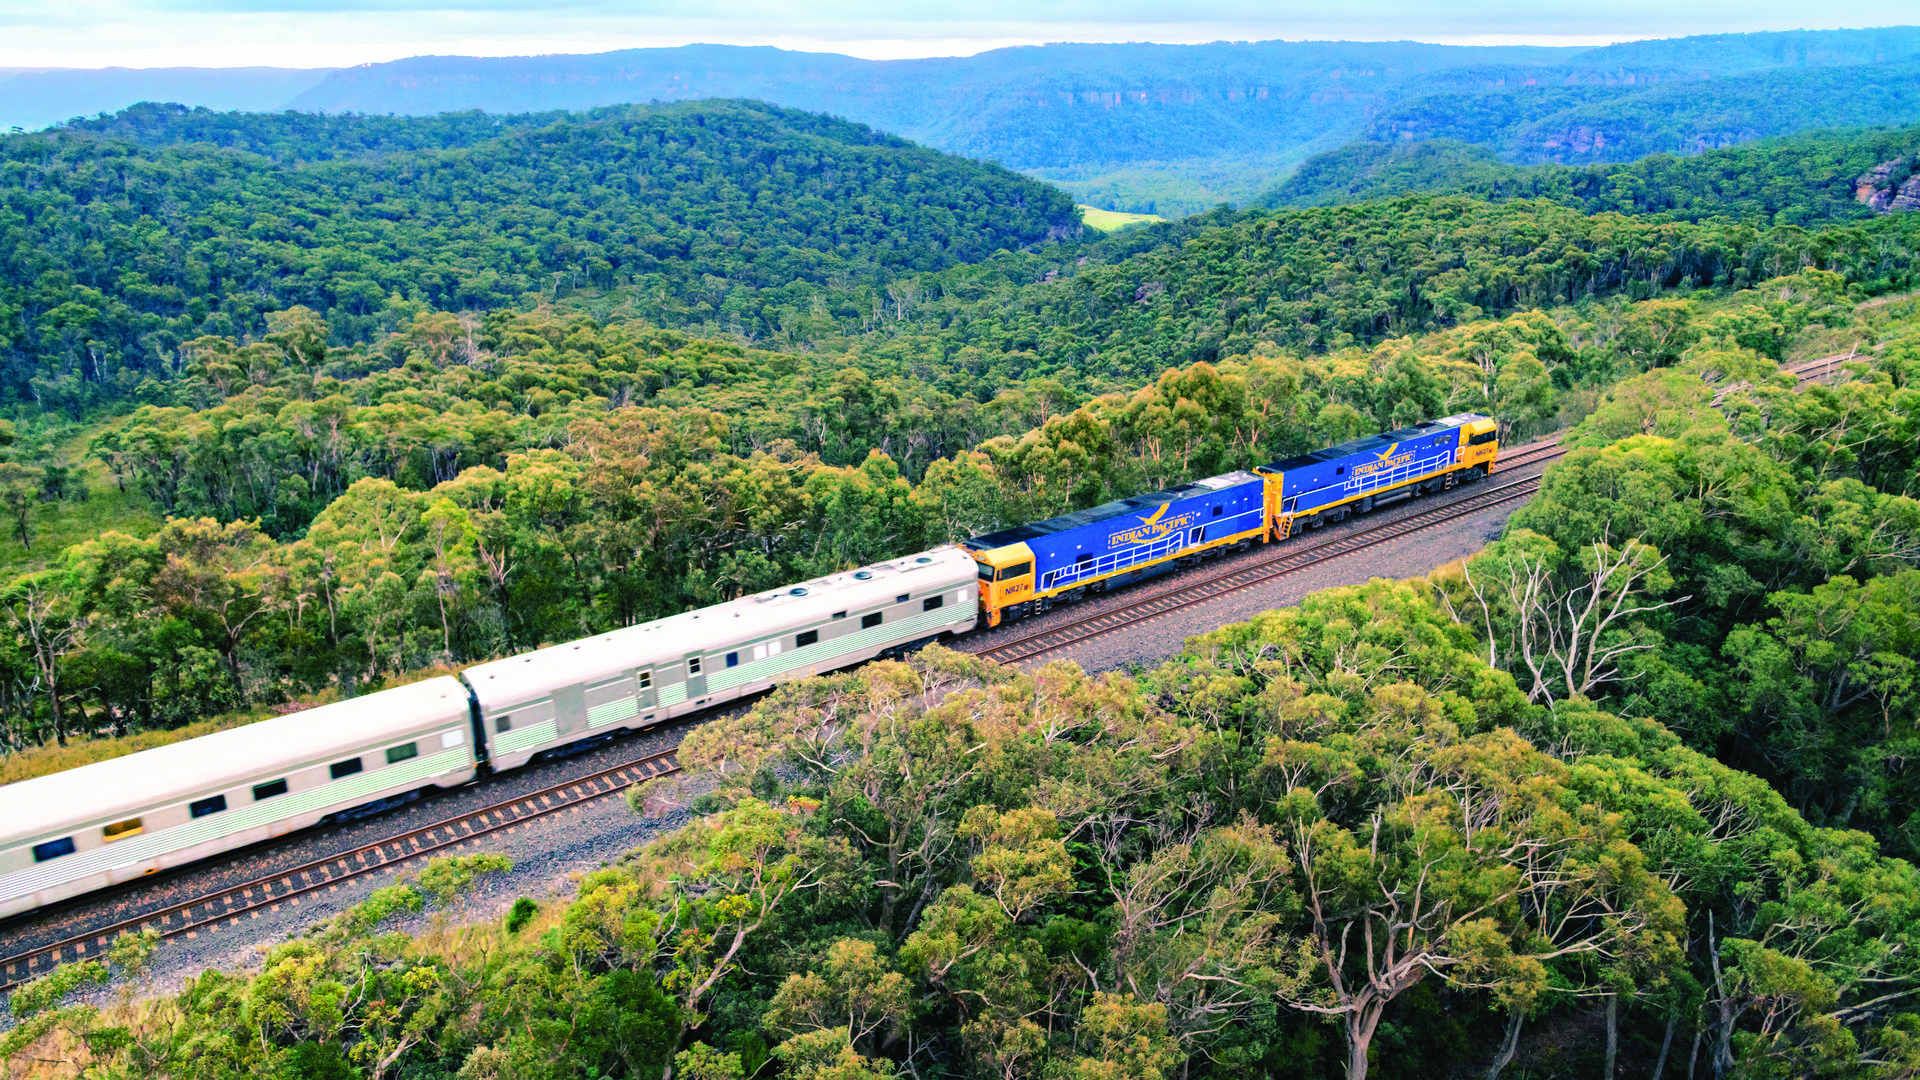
x: 555, y: 818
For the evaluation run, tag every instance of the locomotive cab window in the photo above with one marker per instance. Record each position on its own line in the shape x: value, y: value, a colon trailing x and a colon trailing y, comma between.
x: 986, y: 572
x: 1481, y: 439
x: 345, y: 768
x: 397, y: 754
x: 269, y: 789
x: 202, y: 807
x: 805, y: 638
x: 1016, y: 570
x: 120, y: 830
x: 869, y: 621
x: 53, y: 849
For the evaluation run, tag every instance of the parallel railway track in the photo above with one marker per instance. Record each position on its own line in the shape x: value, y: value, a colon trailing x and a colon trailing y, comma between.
x: 288, y: 886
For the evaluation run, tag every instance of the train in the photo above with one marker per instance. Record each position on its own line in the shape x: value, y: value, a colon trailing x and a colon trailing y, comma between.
x: 84, y: 829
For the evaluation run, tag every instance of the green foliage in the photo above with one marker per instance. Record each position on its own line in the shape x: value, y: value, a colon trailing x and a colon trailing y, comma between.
x: 1806, y: 179
x: 522, y: 913
x: 722, y: 213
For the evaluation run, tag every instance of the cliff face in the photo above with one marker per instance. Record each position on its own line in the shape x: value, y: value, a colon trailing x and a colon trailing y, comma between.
x: 1890, y: 187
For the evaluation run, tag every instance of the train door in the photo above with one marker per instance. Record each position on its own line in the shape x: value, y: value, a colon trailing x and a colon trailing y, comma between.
x: 569, y: 709
x: 696, y: 676
x: 643, y: 690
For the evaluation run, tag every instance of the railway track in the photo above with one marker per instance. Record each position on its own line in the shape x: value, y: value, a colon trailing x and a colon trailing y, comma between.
x: 1292, y: 559
x: 288, y: 886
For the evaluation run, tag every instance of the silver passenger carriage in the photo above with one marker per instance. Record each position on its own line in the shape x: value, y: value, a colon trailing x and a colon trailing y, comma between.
x: 650, y: 673
x: 82, y: 829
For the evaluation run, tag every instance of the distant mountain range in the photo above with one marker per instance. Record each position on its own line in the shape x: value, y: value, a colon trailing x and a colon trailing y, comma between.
x: 1138, y: 127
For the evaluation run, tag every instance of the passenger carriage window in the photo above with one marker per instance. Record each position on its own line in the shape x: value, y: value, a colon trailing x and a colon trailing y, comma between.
x: 839, y: 614
x: 867, y: 621
x: 693, y: 666
x: 733, y: 659
x: 120, y: 830
x: 645, y: 679
x: 903, y: 598
x: 269, y: 789
x: 503, y: 723
x: 203, y: 807
x: 345, y: 768
x: 931, y: 602
x: 397, y: 754
x: 805, y: 638
x: 53, y: 849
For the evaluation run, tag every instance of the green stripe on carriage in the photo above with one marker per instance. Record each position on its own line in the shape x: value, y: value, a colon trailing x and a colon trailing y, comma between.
x: 612, y: 711
x: 521, y: 738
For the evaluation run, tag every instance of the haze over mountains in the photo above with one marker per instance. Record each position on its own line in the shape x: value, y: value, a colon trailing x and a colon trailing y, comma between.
x: 1170, y: 128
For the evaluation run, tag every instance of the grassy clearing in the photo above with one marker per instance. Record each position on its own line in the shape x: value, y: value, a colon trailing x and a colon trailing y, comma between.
x: 58, y: 526
x: 1113, y: 220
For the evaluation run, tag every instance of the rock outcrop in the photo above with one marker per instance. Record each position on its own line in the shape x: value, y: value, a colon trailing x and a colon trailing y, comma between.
x: 1890, y: 187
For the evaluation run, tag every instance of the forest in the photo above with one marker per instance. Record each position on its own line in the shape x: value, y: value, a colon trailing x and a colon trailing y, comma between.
x: 1805, y: 180
x: 1628, y: 792
x: 1399, y: 824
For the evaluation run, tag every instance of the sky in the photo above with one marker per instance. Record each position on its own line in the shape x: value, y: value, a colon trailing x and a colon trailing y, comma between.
x: 339, y: 33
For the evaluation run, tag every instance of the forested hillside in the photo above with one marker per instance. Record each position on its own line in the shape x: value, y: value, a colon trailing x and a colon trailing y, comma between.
x: 1173, y: 129
x: 119, y: 254
x: 1805, y: 180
